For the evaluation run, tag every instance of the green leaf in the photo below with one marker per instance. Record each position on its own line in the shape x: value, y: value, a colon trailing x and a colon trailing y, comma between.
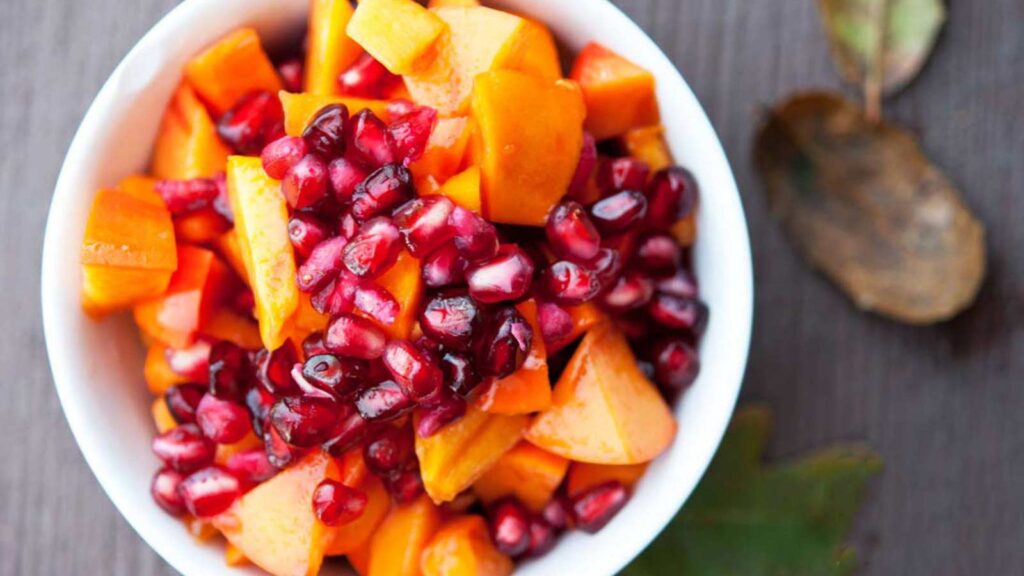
x: 748, y: 520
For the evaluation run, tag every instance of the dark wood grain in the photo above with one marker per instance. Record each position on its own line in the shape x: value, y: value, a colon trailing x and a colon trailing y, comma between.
x: 941, y: 404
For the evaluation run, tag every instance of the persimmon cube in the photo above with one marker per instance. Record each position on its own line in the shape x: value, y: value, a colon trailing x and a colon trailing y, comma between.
x: 187, y: 145
x: 107, y: 289
x: 157, y: 371
x: 226, y: 324
x: 528, y: 389
x: 584, y: 317
x: 525, y: 166
x: 619, y: 94
x: 584, y: 476
x: 232, y: 68
x: 527, y: 472
x: 197, y: 289
x: 605, y: 411
x: 446, y: 149
x: 399, y: 541
x: 456, y: 456
x: 463, y: 547
x: 299, y: 109
x: 464, y: 189
x: 274, y: 524
x: 261, y: 220
x: 648, y: 145
x: 400, y: 34
x: 330, y: 50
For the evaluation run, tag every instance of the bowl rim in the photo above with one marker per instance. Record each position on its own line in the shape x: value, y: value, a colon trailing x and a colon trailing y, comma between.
x: 66, y: 376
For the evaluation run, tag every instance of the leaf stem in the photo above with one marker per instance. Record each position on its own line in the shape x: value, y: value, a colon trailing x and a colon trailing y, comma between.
x: 874, y: 80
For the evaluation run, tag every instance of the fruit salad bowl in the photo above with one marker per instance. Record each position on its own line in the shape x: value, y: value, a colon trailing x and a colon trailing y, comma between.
x: 97, y: 365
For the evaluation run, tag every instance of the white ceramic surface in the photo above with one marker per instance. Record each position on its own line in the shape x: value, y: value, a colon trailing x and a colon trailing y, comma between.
x: 97, y: 367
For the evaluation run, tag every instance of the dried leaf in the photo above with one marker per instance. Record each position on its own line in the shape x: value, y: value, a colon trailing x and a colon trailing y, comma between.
x: 898, y: 34
x: 862, y: 203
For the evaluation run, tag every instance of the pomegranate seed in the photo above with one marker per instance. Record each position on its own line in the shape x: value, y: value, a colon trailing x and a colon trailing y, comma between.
x: 672, y: 195
x: 367, y: 78
x: 355, y: 337
x: 506, y: 276
x: 313, y: 345
x: 510, y: 527
x: 585, y: 167
x: 274, y: 369
x: 679, y: 313
x: 475, y: 238
x: 593, y: 509
x: 633, y: 290
x: 389, y: 451
x: 347, y: 226
x: 306, y: 232
x: 184, y: 196
x: 399, y: 107
x: 291, y: 73
x: 622, y: 174
x: 569, y: 284
x: 440, y: 412
x: 192, y: 362
x: 607, y: 265
x: 182, y: 401
x: 682, y: 284
x: 256, y: 119
x: 556, y: 512
x: 345, y: 177
x: 543, y: 538
x: 635, y: 324
x: 209, y: 491
x: 258, y: 401
x: 404, y: 486
x: 184, y: 448
x: 658, y: 253
x: 251, y: 466
x: 459, y: 374
x: 164, y: 490
x: 338, y: 297
x: 336, y: 504
x: 504, y: 343
x: 305, y: 183
x: 304, y: 421
x: 222, y: 421
x: 373, y: 249
x: 279, y: 453
x: 676, y: 364
x: 339, y: 376
x: 323, y: 264
x: 450, y: 319
x: 620, y: 211
x: 280, y: 155
x: 423, y: 223
x: 570, y: 232
x: 371, y: 140
x: 325, y: 134
x: 377, y: 303
x: 381, y: 191
x: 556, y: 324
x: 444, y: 267
x: 351, y: 430
x: 411, y: 132
x: 384, y: 401
x: 412, y: 369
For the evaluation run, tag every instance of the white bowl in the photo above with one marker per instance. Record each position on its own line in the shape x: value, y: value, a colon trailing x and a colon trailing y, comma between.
x: 97, y: 366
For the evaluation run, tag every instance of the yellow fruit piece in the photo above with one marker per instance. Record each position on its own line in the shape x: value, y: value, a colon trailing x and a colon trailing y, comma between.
x: 464, y: 189
x: 400, y: 34
x: 397, y: 545
x: 463, y: 547
x: 330, y: 50
x: 648, y: 144
x: 232, y: 68
x: 299, y: 109
x: 584, y: 476
x: 187, y: 145
x: 529, y: 473
x: 162, y: 417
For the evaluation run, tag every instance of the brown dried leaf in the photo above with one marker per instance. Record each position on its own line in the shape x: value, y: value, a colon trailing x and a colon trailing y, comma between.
x: 862, y: 203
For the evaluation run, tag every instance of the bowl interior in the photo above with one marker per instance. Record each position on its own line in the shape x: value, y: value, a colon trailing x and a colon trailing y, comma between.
x: 97, y: 366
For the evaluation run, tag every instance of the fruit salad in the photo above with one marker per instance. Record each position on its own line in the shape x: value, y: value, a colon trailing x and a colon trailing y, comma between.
x: 411, y: 295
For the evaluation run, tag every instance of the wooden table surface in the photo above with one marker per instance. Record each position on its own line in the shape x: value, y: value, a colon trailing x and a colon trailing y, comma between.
x: 942, y: 405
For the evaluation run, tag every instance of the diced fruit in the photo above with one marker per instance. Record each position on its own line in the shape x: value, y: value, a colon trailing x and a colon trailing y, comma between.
x: 439, y: 411
x: 445, y: 150
x: 527, y: 389
x: 158, y: 373
x: 619, y: 94
x: 196, y: 290
x: 452, y: 459
x: 583, y: 476
x: 464, y: 189
x: 232, y: 68
x: 187, y: 145
x: 463, y: 547
x: 399, y: 541
x: 605, y: 410
x: 128, y: 251
x: 529, y: 473
x: 360, y: 559
x: 330, y: 51
x: 274, y: 524
x: 300, y: 109
x: 200, y: 227
x: 261, y: 219
x: 225, y: 324
x: 648, y: 145
x: 480, y: 40
x: 233, y: 556
x: 526, y: 167
x: 141, y: 188
x: 400, y: 34
x: 356, y: 534
x: 162, y: 417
